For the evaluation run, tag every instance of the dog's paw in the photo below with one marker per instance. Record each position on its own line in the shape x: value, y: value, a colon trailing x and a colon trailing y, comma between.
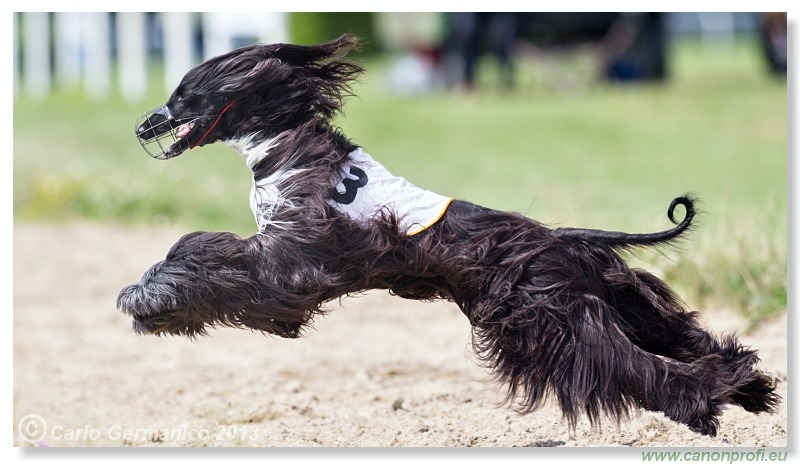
x: 154, y: 311
x: 141, y: 299
x: 758, y: 393
x: 127, y: 299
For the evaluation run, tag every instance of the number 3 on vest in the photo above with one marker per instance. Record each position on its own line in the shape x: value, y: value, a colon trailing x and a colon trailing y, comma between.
x: 351, y: 186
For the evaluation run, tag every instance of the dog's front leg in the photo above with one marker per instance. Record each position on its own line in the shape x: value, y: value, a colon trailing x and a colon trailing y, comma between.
x: 208, y: 280
x: 180, y: 294
x: 220, y: 279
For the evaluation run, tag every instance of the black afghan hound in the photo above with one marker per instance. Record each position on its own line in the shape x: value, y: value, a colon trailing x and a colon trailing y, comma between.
x: 554, y: 312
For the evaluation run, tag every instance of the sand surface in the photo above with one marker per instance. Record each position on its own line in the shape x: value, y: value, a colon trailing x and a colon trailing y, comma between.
x: 378, y: 371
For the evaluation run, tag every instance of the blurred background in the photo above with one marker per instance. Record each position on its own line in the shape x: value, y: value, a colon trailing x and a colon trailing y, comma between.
x: 575, y: 119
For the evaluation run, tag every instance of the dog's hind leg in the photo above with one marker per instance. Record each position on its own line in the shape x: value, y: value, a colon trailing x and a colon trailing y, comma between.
x: 652, y: 317
x: 583, y: 358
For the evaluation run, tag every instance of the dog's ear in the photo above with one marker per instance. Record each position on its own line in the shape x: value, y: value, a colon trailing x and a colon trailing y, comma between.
x: 304, y: 55
x: 315, y: 75
x: 275, y: 62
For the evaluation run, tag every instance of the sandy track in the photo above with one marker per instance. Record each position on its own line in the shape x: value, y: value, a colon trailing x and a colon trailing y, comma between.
x: 378, y: 371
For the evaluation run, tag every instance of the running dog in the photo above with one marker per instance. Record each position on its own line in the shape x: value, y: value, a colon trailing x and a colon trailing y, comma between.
x: 554, y: 312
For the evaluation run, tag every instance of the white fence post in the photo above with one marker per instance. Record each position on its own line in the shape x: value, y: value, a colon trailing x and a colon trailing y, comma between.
x: 178, y: 48
x: 67, y: 44
x: 97, y: 60
x: 216, y: 39
x: 15, y: 64
x: 131, y: 55
x: 36, y: 55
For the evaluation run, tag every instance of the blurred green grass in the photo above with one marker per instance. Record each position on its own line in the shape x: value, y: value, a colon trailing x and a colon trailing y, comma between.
x: 595, y: 155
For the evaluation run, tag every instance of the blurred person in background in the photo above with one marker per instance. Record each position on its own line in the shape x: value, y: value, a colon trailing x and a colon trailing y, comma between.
x: 468, y: 34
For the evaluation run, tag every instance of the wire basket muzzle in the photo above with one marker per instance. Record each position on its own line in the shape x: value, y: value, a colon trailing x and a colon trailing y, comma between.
x: 157, y: 130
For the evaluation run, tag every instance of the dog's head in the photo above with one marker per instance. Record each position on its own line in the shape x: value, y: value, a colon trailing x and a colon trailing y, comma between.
x: 260, y: 88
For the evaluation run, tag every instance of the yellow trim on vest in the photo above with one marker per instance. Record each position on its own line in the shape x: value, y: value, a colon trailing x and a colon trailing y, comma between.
x: 438, y: 217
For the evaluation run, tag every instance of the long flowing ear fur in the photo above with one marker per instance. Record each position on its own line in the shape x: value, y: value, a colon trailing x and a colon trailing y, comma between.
x: 283, y: 70
x: 304, y: 55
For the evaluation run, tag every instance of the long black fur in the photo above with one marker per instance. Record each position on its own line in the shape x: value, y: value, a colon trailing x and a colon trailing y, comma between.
x: 555, y: 312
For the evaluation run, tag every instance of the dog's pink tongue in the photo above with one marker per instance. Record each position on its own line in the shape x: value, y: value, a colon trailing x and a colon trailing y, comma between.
x: 182, y: 130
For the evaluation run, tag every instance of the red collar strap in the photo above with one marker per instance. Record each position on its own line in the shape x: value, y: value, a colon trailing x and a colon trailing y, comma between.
x: 212, y: 125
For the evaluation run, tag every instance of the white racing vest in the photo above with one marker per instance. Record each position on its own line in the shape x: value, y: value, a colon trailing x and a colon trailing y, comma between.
x: 364, y: 189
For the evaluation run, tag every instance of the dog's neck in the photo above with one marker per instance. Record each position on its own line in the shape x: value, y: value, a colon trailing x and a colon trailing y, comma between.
x: 270, y: 190
x: 252, y: 148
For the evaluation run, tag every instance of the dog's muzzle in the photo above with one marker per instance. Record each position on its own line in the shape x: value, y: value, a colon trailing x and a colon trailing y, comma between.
x: 161, y: 135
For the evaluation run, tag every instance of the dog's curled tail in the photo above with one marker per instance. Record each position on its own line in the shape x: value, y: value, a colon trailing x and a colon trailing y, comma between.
x: 617, y: 239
